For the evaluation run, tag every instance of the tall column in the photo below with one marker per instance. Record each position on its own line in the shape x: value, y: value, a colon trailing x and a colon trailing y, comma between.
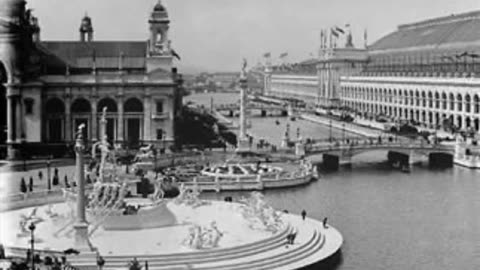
x: 68, y: 119
x: 10, y: 122
x: 81, y: 226
x: 18, y: 119
x: 120, y: 119
x: 147, y: 120
x: 94, y: 134
x: 242, y: 140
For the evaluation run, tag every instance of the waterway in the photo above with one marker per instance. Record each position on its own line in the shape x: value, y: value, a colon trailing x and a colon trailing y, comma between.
x: 426, y: 219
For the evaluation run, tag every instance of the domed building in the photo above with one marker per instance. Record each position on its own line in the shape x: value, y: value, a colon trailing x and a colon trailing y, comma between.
x: 49, y: 88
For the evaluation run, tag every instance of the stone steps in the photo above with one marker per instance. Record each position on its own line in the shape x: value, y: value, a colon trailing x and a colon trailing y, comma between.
x: 313, y: 244
x: 115, y: 262
x: 272, y: 259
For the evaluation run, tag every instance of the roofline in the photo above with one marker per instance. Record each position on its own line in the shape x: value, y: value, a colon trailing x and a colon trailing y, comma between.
x: 441, y: 20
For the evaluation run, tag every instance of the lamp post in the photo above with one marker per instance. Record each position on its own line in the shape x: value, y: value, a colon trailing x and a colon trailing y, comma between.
x: 32, y: 242
x: 154, y: 151
x: 24, y: 153
x: 48, y: 174
x: 330, y: 129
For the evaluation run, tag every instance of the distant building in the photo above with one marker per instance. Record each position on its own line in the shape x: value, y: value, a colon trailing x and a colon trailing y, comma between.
x: 225, y: 80
x: 51, y: 87
x: 426, y: 72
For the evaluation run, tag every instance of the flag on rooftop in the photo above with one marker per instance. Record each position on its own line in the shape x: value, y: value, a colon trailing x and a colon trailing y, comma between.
x: 334, y: 32
x: 338, y: 29
x: 283, y: 55
x: 266, y: 55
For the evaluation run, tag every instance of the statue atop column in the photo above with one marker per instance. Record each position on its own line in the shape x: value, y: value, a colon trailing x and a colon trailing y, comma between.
x: 243, y: 144
x: 244, y: 69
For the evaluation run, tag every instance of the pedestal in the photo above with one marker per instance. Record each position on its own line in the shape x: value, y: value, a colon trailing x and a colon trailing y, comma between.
x: 299, y: 149
x: 243, y: 145
x: 82, y: 243
x: 13, y: 153
x: 284, y: 143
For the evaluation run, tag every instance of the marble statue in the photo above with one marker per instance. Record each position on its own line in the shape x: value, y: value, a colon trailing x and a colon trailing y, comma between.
x: 203, y: 237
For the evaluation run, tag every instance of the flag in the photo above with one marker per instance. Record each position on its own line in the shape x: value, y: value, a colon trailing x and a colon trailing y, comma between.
x: 338, y: 29
x: 175, y: 54
x: 333, y: 32
x: 461, y: 55
x: 474, y: 55
x: 266, y: 55
x: 347, y: 25
x: 321, y: 38
x: 283, y: 55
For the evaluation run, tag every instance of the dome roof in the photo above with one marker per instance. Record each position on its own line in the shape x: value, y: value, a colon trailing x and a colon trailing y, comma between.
x: 159, y: 7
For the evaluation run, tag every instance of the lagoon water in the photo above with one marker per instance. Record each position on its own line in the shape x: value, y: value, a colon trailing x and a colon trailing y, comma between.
x: 426, y: 219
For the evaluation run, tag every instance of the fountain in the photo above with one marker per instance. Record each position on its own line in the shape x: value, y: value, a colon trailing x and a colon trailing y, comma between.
x: 107, y: 204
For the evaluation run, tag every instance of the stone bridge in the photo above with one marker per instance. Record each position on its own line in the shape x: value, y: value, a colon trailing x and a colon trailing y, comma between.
x: 260, y: 106
x: 399, y: 152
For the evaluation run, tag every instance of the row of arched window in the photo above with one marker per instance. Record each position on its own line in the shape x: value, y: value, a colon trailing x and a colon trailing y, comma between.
x: 426, y: 99
x: 81, y: 105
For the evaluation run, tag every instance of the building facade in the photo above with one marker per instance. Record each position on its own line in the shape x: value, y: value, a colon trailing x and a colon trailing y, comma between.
x: 426, y: 72
x: 52, y: 87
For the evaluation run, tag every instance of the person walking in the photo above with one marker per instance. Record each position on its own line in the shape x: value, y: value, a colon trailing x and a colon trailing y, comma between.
x: 30, y: 184
x: 304, y: 214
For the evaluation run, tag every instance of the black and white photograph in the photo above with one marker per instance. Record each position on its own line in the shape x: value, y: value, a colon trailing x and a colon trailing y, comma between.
x: 239, y: 134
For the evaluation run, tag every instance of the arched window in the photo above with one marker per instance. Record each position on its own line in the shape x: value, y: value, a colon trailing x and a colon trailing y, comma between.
x: 109, y: 103
x: 424, y: 99
x: 55, y: 106
x: 81, y: 105
x: 133, y: 105
x: 29, y: 102
x: 467, y: 103
x: 430, y: 100
x: 459, y: 103
x: 437, y: 100
x: 444, y: 101
x: 476, y: 104
x: 452, y: 101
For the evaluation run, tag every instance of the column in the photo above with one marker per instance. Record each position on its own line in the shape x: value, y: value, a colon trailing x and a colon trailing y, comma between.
x: 18, y: 119
x: 94, y: 133
x: 68, y: 119
x: 242, y: 140
x: 81, y: 226
x: 10, y: 122
x: 147, y: 122
x: 120, y: 120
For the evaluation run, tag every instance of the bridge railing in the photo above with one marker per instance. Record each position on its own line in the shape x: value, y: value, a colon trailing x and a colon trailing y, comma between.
x: 363, y: 144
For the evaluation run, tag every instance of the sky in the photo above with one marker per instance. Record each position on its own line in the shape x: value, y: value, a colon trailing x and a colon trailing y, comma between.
x: 215, y: 35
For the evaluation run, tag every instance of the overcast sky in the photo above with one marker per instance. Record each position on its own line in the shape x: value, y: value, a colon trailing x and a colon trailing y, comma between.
x: 216, y: 34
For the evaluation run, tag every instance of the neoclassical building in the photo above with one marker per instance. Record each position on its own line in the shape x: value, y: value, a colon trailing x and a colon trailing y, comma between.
x: 51, y: 87
x: 427, y: 72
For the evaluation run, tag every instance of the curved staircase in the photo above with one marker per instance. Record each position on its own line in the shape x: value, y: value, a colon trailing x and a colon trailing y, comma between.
x: 269, y: 253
